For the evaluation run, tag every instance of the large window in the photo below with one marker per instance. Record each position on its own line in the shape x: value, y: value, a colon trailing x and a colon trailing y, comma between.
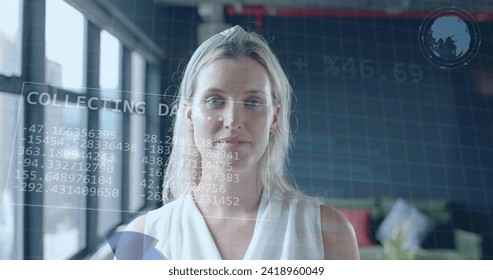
x: 109, y: 215
x: 64, y: 200
x: 110, y: 122
x: 10, y: 200
x: 11, y: 211
x: 66, y: 180
x: 110, y: 66
x: 10, y: 37
x: 64, y: 207
x: 64, y: 45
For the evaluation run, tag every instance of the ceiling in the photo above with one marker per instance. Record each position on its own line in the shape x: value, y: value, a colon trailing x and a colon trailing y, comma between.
x: 390, y: 6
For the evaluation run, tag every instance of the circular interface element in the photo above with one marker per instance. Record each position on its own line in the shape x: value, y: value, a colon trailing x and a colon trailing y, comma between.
x: 449, y: 37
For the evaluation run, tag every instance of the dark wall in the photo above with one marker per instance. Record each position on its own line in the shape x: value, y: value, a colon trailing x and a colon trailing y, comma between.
x: 172, y: 28
x: 178, y: 39
x: 374, y: 118
x: 142, y: 13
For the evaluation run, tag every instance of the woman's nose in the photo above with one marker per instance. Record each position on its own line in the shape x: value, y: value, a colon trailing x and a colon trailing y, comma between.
x: 232, y: 118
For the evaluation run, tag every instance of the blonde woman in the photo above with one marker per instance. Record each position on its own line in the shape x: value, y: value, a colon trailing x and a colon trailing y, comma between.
x: 226, y: 192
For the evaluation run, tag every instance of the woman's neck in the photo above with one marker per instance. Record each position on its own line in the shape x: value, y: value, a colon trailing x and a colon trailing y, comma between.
x: 229, y: 194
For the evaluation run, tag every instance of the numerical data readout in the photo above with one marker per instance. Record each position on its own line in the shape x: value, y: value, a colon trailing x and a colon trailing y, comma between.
x: 67, y: 160
x: 64, y: 160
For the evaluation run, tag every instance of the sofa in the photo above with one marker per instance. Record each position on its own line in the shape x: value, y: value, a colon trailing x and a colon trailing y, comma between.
x: 434, y: 237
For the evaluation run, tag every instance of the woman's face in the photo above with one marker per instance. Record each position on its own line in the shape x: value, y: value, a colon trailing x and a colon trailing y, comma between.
x: 232, y: 112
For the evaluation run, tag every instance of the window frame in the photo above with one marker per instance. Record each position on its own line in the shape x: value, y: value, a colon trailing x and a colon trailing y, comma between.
x: 33, y: 70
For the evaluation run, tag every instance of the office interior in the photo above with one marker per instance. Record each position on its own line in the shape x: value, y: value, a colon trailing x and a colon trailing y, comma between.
x: 376, y: 117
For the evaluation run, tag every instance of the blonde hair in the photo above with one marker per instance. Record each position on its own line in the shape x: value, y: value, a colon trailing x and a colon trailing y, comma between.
x: 231, y: 43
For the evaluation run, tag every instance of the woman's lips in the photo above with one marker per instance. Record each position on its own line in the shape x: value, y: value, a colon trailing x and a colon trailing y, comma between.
x: 231, y: 141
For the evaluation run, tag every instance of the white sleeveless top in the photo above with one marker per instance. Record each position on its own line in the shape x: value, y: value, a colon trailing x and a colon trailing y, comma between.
x: 286, y: 228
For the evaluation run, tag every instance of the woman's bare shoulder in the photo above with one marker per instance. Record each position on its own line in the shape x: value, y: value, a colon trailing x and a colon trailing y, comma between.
x: 138, y: 224
x: 338, y: 235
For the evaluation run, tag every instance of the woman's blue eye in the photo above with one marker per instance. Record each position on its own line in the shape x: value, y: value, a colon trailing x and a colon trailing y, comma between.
x: 253, y: 103
x: 214, y: 101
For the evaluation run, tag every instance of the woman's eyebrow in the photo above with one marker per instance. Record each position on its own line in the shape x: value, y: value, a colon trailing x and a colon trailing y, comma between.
x: 213, y: 89
x: 250, y: 91
x: 255, y: 91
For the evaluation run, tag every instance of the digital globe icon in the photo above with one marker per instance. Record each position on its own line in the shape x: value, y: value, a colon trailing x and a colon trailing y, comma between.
x: 449, y: 37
